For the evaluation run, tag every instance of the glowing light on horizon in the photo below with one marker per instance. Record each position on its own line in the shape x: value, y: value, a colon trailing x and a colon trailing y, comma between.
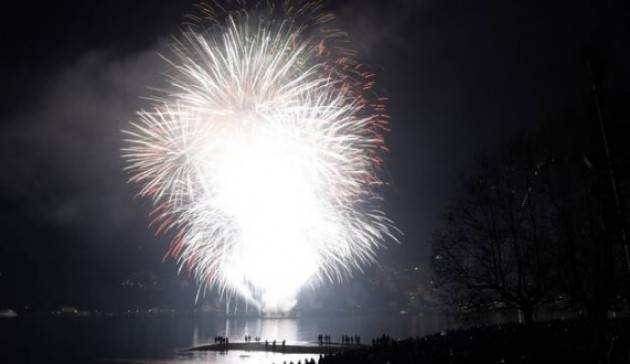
x: 264, y: 154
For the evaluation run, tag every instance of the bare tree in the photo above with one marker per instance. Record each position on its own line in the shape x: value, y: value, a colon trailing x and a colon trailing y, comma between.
x: 538, y: 223
x: 492, y: 247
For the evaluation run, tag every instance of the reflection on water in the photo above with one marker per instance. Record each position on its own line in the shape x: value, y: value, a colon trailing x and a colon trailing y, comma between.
x: 306, y: 329
x: 266, y: 329
x: 162, y: 339
x: 298, y: 331
x: 232, y: 357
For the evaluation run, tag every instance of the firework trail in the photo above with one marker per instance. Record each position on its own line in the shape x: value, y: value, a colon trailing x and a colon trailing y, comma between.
x: 263, y: 154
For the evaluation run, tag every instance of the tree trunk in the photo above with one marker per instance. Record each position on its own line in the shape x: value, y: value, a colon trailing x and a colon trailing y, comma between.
x: 528, y: 314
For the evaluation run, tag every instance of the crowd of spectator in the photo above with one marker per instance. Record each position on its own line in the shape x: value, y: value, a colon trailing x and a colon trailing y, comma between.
x: 274, y: 342
x: 350, y: 340
x: 323, y: 339
x: 248, y: 338
x: 221, y: 340
x: 552, y: 342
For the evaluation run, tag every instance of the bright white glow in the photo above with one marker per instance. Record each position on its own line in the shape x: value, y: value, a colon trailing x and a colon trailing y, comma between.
x: 272, y: 196
x: 264, y: 158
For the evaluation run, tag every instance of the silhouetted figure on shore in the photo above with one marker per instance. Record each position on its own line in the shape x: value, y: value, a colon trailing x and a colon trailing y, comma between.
x: 220, y: 340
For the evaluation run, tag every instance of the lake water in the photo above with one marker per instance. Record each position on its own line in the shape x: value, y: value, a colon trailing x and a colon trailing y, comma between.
x: 161, y: 339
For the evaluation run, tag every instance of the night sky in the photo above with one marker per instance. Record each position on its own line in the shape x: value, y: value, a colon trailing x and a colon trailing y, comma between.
x: 460, y: 77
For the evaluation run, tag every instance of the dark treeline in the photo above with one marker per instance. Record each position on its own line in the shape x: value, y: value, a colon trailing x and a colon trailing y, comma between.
x: 542, y: 223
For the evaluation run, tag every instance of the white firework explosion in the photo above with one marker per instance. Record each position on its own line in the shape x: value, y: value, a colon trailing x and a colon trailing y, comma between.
x: 264, y: 155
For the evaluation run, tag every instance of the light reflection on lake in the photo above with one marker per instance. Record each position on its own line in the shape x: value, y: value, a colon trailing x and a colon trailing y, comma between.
x: 232, y: 357
x: 163, y: 339
x: 297, y: 331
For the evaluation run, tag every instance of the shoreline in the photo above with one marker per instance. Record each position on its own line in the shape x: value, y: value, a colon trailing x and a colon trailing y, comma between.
x: 286, y: 349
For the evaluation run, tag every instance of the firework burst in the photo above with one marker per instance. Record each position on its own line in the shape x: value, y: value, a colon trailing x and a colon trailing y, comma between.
x: 264, y: 153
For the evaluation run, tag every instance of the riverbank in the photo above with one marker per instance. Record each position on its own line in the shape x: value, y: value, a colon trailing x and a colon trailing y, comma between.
x: 573, y: 342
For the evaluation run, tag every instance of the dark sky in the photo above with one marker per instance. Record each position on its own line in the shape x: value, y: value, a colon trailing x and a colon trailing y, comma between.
x: 460, y: 75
